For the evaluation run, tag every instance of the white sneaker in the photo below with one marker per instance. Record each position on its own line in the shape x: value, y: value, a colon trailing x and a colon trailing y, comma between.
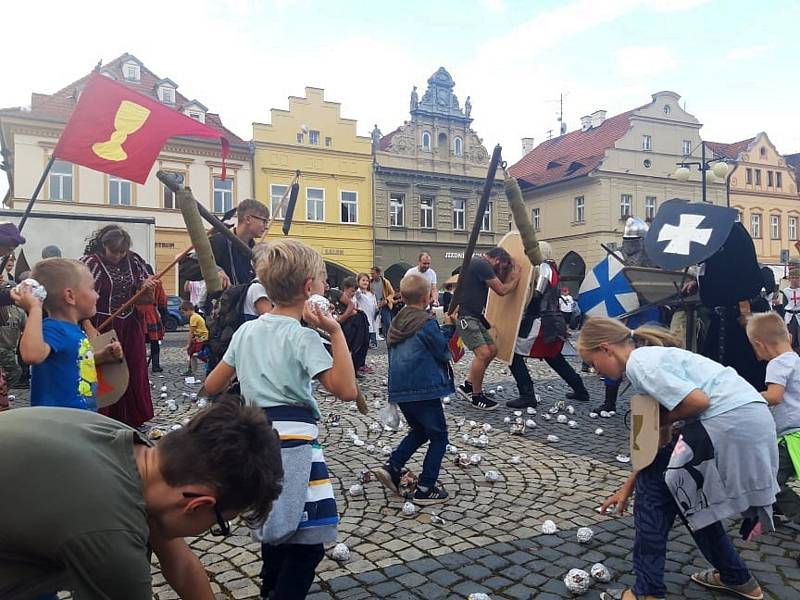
x: 379, y: 337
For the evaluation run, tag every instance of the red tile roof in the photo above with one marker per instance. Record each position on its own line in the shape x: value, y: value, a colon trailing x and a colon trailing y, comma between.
x: 387, y: 139
x: 59, y: 106
x: 730, y: 151
x: 571, y: 155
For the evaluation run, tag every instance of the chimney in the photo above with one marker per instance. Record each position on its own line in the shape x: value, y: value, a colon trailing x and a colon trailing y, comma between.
x: 586, y: 123
x: 598, y: 117
x: 527, y: 145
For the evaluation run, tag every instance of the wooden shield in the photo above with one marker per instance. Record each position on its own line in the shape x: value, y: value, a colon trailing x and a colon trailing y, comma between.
x: 112, y: 378
x: 644, y: 430
x: 504, y: 313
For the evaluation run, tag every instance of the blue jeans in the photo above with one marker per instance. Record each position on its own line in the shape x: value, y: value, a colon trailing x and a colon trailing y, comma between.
x: 653, y: 514
x: 386, y: 320
x: 427, y: 423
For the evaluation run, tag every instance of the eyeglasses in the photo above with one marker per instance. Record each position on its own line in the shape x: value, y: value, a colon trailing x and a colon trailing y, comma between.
x: 223, y: 527
x: 262, y: 219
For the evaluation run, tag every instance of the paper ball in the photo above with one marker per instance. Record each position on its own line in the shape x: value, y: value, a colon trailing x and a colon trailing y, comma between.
x: 572, y: 424
x: 320, y: 301
x: 163, y: 388
x: 202, y: 403
x: 356, y: 489
x: 571, y: 409
x: 515, y: 460
x: 446, y: 400
x: 517, y: 413
x: 164, y: 395
x: 437, y: 520
x: 370, y: 448
x: 553, y: 410
x: 530, y: 423
x: 491, y: 476
x: 546, y: 417
x: 623, y: 458
x: 561, y: 419
x: 600, y: 572
x: 387, y: 450
x: 409, y: 509
x: 37, y: 289
x: 475, y: 459
x: 478, y: 596
x: 605, y: 414
x: 358, y: 442
x: 175, y: 427
x: 473, y: 424
x: 593, y: 415
x: 340, y: 553
x: 490, y: 393
x: 506, y: 420
x: 499, y: 388
x: 530, y: 410
x: 577, y: 581
x: 598, y: 431
x: 549, y: 527
x: 487, y: 427
x: 552, y: 439
x: 585, y: 535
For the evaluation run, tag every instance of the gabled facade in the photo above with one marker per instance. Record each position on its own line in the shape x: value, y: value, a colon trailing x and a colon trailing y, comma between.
x: 429, y: 174
x: 334, y: 207
x: 29, y: 135
x: 763, y: 189
x: 582, y: 186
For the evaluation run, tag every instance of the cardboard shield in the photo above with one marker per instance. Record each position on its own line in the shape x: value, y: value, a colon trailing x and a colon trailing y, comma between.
x: 687, y: 233
x: 505, y: 312
x: 645, y: 423
x: 112, y: 378
x: 571, y: 272
x: 605, y: 292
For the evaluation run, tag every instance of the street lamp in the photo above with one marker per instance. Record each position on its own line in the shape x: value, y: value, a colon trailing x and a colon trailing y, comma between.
x: 710, y: 170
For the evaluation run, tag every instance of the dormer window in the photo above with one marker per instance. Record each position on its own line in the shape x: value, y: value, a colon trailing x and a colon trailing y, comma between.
x: 166, y: 94
x: 195, y: 110
x: 131, y: 71
x: 197, y: 116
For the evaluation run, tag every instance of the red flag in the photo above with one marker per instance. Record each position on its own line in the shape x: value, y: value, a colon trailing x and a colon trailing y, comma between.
x: 456, y: 346
x: 118, y: 131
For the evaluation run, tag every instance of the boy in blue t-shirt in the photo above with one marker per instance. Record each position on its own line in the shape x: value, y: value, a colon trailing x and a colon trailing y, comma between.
x: 63, y: 370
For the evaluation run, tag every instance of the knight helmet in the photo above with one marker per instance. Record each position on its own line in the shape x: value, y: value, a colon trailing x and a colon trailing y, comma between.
x: 635, y: 228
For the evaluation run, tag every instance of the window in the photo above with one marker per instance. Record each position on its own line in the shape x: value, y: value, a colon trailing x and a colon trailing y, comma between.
x: 774, y: 227
x: 579, y: 209
x: 328, y: 142
x: 119, y: 191
x: 625, y: 201
x: 748, y: 176
x: 348, y: 202
x: 299, y: 138
x: 131, y: 71
x: 167, y: 94
x: 650, y: 207
x: 667, y: 109
x: 536, y: 219
x: 486, y: 224
x: 755, y: 225
x: 792, y: 229
x: 426, y: 212
x: 687, y: 147
x: 276, y: 192
x: 197, y: 116
x: 458, y: 146
x: 61, y: 180
x: 769, y: 179
x: 647, y: 143
x: 763, y: 152
x: 223, y: 195
x: 778, y: 179
x: 459, y: 211
x: 313, y: 138
x: 397, y: 210
x: 169, y: 195
x: 426, y: 141
x: 758, y: 177
x: 315, y: 204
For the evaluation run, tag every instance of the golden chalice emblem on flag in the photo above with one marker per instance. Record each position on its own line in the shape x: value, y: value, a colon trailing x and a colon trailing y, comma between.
x: 129, y: 118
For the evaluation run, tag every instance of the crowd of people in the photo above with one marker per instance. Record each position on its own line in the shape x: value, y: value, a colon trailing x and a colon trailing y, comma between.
x: 267, y: 339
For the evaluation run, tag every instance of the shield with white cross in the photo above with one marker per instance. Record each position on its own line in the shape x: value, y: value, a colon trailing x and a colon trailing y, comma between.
x: 606, y: 292
x: 687, y: 233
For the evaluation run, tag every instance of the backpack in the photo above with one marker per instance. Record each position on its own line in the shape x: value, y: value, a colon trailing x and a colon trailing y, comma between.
x: 226, y: 317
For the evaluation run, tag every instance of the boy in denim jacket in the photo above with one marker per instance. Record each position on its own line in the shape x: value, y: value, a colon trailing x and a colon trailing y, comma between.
x: 419, y: 375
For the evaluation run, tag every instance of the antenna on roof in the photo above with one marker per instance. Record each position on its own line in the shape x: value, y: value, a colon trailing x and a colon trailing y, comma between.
x: 549, y: 134
x: 562, y: 127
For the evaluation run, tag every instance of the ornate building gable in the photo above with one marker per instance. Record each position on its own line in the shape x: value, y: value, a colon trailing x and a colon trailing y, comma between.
x: 439, y: 100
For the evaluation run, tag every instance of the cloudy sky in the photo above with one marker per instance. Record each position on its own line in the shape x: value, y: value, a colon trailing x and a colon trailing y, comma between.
x: 733, y: 62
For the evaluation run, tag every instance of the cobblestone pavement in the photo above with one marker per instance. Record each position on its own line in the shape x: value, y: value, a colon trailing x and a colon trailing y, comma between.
x: 491, y: 539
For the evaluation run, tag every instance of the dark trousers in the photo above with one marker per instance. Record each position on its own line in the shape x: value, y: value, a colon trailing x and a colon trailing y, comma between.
x: 426, y: 421
x: 288, y: 570
x: 653, y: 515
x: 356, y: 332
x: 155, y: 354
x: 386, y: 320
x: 559, y: 364
x: 787, y: 499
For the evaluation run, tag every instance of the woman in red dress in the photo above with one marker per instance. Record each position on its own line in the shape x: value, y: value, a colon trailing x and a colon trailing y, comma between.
x: 118, y: 274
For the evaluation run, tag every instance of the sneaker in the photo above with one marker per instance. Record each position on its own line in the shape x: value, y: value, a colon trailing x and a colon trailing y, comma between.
x: 584, y: 397
x: 389, y: 478
x: 482, y: 402
x: 158, y: 370
x: 431, y: 496
x: 604, y: 408
x: 523, y: 402
x: 465, y: 391
x: 379, y: 337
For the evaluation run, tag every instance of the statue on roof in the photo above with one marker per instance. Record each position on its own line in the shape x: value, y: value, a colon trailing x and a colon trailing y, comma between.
x: 376, y: 137
x: 467, y: 107
x: 414, y: 99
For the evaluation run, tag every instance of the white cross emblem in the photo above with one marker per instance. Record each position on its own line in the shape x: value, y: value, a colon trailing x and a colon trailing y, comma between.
x: 681, y: 237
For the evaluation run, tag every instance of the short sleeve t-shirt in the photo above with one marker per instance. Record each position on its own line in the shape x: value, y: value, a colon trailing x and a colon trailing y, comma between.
x: 75, y: 516
x: 785, y: 370
x: 198, y: 326
x: 255, y: 292
x: 474, y: 290
x: 276, y: 358
x: 67, y: 377
x: 430, y: 274
x: 671, y: 374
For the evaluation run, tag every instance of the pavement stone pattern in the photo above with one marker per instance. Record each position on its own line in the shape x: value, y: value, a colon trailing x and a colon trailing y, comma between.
x: 491, y: 540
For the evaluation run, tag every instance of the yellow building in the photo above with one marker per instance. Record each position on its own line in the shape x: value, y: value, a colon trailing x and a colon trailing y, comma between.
x: 334, y: 207
x: 763, y: 189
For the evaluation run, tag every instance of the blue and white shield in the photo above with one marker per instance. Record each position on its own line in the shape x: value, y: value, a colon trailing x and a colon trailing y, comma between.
x: 606, y: 292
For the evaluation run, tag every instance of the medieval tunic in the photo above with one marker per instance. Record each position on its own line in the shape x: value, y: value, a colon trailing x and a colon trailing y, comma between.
x: 115, y: 284
x: 791, y: 313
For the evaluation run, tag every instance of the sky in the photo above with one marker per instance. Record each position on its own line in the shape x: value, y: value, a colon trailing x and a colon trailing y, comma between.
x: 731, y: 61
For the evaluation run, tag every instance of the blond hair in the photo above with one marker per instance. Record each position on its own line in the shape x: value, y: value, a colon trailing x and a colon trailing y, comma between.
x: 284, y: 267
x: 57, y: 275
x: 603, y: 330
x: 414, y: 289
x: 767, y: 328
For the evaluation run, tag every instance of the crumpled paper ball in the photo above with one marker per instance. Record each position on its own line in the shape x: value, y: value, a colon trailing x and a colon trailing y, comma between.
x: 604, y: 414
x: 585, y: 535
x: 546, y: 417
x: 598, y: 431
x: 466, y: 437
x: 549, y: 527
x: 623, y: 458
x: 409, y: 509
x: 530, y: 410
x: 517, y: 413
x: 600, y: 572
x: 475, y: 459
x: 577, y: 581
x: 486, y: 427
x: 593, y: 415
x: 164, y: 395
x: 370, y: 448
x: 506, y: 420
x: 321, y: 301
x: 387, y: 450
x: 491, y: 476
x: 358, y: 442
x: 473, y: 424
x: 340, y: 553
x: 572, y: 424
x: 452, y: 449
x: 478, y: 596
x: 561, y: 419
x: 571, y: 409
x: 37, y: 289
x: 202, y: 403
x: 356, y: 489
x: 552, y: 438
x: 446, y: 400
x: 163, y: 388
x: 490, y: 393
x: 175, y: 427
x: 530, y: 423
x: 499, y: 388
x: 436, y: 519
x: 515, y: 460
x: 172, y: 406
x: 553, y: 410
x: 375, y: 427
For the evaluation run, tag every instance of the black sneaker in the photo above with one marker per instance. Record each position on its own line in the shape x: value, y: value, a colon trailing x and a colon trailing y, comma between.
x: 158, y: 370
x: 389, y: 478
x: 431, y: 496
x: 583, y: 397
x: 482, y: 402
x: 465, y: 391
x: 523, y: 402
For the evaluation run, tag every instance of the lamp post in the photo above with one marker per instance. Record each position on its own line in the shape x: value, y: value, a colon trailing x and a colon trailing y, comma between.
x: 710, y: 170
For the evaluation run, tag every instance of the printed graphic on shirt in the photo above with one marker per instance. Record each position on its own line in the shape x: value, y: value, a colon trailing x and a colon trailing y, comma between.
x: 87, y: 383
